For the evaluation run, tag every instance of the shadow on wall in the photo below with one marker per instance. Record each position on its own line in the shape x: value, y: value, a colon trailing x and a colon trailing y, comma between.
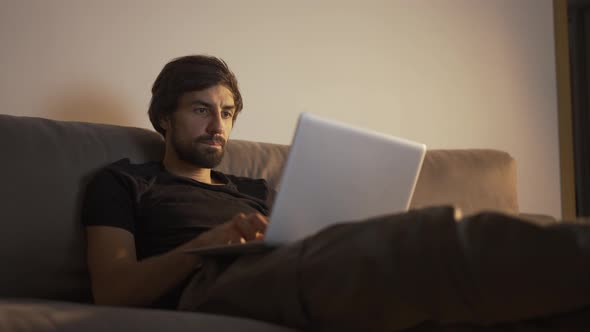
x: 90, y: 102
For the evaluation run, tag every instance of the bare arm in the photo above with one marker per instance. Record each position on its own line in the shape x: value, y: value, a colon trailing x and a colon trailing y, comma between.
x: 118, y: 278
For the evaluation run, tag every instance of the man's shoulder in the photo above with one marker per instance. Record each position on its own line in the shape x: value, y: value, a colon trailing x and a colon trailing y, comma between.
x: 123, y: 172
x: 125, y: 167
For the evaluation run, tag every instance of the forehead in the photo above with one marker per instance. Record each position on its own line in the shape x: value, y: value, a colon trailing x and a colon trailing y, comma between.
x: 217, y: 95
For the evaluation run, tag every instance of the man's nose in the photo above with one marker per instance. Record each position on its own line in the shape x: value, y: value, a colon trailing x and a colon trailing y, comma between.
x: 215, y: 126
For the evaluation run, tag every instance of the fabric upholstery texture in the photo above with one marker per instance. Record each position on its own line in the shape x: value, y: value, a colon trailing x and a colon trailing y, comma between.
x: 473, y: 180
x: 45, y: 167
x: 50, y: 316
x: 254, y: 160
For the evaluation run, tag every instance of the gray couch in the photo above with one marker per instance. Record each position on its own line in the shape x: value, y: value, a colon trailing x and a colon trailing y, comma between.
x: 46, y: 164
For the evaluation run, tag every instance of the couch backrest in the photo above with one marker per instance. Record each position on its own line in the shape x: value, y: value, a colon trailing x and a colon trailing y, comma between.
x: 254, y: 160
x: 473, y: 180
x: 44, y: 170
x: 46, y: 165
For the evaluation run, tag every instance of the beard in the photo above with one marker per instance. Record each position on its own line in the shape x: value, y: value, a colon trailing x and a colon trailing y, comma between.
x: 198, y: 154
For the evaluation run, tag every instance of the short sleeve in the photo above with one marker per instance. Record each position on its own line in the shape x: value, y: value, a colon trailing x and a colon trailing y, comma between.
x: 108, y: 201
x: 270, y: 198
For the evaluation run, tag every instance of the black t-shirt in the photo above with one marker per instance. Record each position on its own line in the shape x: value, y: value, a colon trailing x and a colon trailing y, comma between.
x: 163, y: 210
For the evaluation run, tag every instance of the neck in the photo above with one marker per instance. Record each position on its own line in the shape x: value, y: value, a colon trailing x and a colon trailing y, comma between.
x: 181, y: 168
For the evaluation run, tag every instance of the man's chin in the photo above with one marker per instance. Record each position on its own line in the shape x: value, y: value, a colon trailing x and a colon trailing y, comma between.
x: 199, y: 154
x: 210, y: 159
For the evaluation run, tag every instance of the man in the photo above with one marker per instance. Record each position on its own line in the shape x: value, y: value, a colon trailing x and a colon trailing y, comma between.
x: 387, y: 273
x: 140, y: 217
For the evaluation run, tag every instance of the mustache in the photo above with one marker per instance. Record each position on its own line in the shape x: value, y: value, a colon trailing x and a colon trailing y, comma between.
x: 211, y: 139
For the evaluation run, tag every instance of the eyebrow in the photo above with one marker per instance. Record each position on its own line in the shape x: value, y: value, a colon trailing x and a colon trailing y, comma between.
x: 206, y: 104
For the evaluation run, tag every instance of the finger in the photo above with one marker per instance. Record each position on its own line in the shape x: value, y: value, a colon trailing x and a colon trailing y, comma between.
x: 233, y: 236
x: 262, y: 218
x: 258, y: 222
x: 220, y: 235
x: 238, y: 217
x: 245, y: 229
x: 239, y: 239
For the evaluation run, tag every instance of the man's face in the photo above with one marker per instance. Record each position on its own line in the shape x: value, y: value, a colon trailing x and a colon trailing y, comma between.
x: 198, y: 130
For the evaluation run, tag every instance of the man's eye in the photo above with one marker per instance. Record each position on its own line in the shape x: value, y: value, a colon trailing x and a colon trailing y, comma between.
x: 227, y: 115
x: 201, y: 110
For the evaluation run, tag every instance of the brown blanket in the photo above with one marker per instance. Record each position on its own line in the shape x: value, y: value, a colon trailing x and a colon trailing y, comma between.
x: 413, y: 270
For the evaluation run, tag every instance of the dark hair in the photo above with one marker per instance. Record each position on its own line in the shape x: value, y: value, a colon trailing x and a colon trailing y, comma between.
x: 187, y: 74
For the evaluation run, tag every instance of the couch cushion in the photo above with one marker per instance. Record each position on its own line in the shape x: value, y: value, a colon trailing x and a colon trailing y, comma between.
x: 473, y: 180
x: 255, y: 160
x: 45, y: 167
x: 29, y: 316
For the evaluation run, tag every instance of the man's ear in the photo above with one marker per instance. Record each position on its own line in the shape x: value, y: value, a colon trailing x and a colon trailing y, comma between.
x: 165, y: 122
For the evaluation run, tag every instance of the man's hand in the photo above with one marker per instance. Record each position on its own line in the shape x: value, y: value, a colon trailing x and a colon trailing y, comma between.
x: 240, y: 229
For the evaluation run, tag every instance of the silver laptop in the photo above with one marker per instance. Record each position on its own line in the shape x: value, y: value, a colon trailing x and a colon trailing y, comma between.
x: 335, y: 173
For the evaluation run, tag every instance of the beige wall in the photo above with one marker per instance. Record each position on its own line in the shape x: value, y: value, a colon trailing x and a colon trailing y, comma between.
x: 449, y: 73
